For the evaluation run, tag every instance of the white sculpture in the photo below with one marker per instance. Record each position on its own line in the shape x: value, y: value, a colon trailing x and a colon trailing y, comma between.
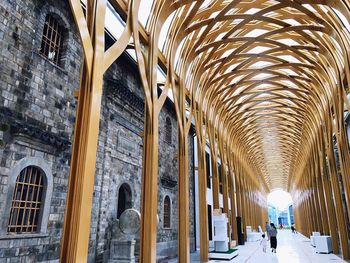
x: 220, y: 233
x: 221, y: 240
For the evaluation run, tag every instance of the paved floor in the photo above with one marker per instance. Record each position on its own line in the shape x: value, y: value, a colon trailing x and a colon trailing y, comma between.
x: 291, y: 248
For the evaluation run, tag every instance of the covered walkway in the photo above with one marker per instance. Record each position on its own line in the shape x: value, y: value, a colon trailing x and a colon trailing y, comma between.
x: 264, y: 84
x: 292, y: 248
x: 258, y: 91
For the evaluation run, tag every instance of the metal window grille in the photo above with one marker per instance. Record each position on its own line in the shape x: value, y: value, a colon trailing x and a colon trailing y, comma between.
x: 26, y: 201
x: 166, y: 222
x: 51, y: 42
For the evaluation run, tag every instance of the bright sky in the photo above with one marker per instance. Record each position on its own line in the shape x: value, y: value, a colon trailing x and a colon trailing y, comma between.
x: 280, y: 199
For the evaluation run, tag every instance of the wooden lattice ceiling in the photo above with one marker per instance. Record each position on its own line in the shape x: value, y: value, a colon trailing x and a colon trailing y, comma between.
x: 264, y: 80
x: 260, y: 70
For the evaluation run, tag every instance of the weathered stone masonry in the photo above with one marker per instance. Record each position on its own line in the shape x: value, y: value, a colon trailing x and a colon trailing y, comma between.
x: 37, y: 108
x: 120, y: 159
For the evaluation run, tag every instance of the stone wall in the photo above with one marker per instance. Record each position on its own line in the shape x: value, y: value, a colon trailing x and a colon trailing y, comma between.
x: 37, y: 109
x: 120, y: 159
x: 119, y: 151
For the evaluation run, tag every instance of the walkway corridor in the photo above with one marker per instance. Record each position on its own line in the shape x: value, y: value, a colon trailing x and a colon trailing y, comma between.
x: 291, y: 248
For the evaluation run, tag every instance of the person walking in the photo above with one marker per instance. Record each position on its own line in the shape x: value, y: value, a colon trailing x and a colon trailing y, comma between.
x: 267, y: 226
x: 273, y: 237
x: 263, y: 243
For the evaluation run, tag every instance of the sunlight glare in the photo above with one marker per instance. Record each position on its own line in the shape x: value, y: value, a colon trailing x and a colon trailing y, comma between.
x: 280, y: 199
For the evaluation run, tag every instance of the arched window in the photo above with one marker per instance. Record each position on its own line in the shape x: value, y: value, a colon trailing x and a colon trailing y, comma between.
x: 27, y: 201
x: 52, y: 39
x: 166, y: 212
x: 168, y: 130
x: 124, y: 199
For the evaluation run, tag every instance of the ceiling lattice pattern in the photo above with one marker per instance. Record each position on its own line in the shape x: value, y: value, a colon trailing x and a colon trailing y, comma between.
x: 262, y: 71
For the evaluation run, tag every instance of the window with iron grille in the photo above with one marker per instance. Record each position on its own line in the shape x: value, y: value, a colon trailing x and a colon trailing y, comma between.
x: 27, y: 201
x: 52, y: 39
x: 168, y: 130
x: 166, y: 214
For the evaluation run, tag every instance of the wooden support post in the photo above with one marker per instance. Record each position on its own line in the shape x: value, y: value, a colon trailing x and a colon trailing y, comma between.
x: 75, y: 240
x: 76, y: 230
x: 232, y: 193
x: 184, y: 125
x: 183, y: 205
x: 214, y: 168
x: 337, y: 196
x: 203, y: 208
x: 323, y: 211
x: 202, y: 188
x: 342, y: 141
x: 330, y: 209
x: 317, y: 209
x: 233, y: 216
x: 224, y: 182
x: 149, y: 196
x: 225, y: 197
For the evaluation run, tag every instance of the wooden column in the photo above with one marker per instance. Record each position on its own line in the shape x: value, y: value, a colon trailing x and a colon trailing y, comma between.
x: 184, y: 125
x: 233, y: 204
x: 225, y: 194
x: 183, y: 205
x: 244, y: 207
x: 331, y: 219
x: 320, y: 191
x: 202, y: 188
x: 337, y: 196
x: 238, y: 189
x: 149, y: 196
x: 75, y: 240
x: 76, y: 230
x: 214, y: 167
x: 147, y: 58
x: 313, y: 214
x: 342, y: 140
x: 317, y: 210
x: 324, y: 215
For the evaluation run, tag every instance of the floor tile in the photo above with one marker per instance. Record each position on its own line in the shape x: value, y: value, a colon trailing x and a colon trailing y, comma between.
x: 291, y: 248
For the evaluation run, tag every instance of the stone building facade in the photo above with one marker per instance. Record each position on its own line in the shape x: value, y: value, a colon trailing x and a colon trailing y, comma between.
x: 37, y: 112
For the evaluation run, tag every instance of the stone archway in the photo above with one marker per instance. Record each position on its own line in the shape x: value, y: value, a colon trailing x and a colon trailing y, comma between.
x: 124, y: 199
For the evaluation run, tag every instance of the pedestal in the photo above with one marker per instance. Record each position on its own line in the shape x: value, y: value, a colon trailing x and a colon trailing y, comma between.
x: 220, y: 233
x: 323, y: 244
x: 252, y: 236
x: 221, y: 240
x: 228, y: 255
x: 248, y: 229
x: 312, y: 238
x: 122, y: 251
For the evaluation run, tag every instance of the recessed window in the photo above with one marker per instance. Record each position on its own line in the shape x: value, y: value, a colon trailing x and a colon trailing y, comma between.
x: 166, y: 212
x: 168, y: 130
x: 124, y: 199
x: 220, y: 177
x: 210, y: 226
x: 207, y: 163
x: 27, y: 201
x: 52, y: 39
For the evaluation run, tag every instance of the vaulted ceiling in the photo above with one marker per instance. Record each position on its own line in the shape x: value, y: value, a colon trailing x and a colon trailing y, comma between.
x: 262, y: 71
